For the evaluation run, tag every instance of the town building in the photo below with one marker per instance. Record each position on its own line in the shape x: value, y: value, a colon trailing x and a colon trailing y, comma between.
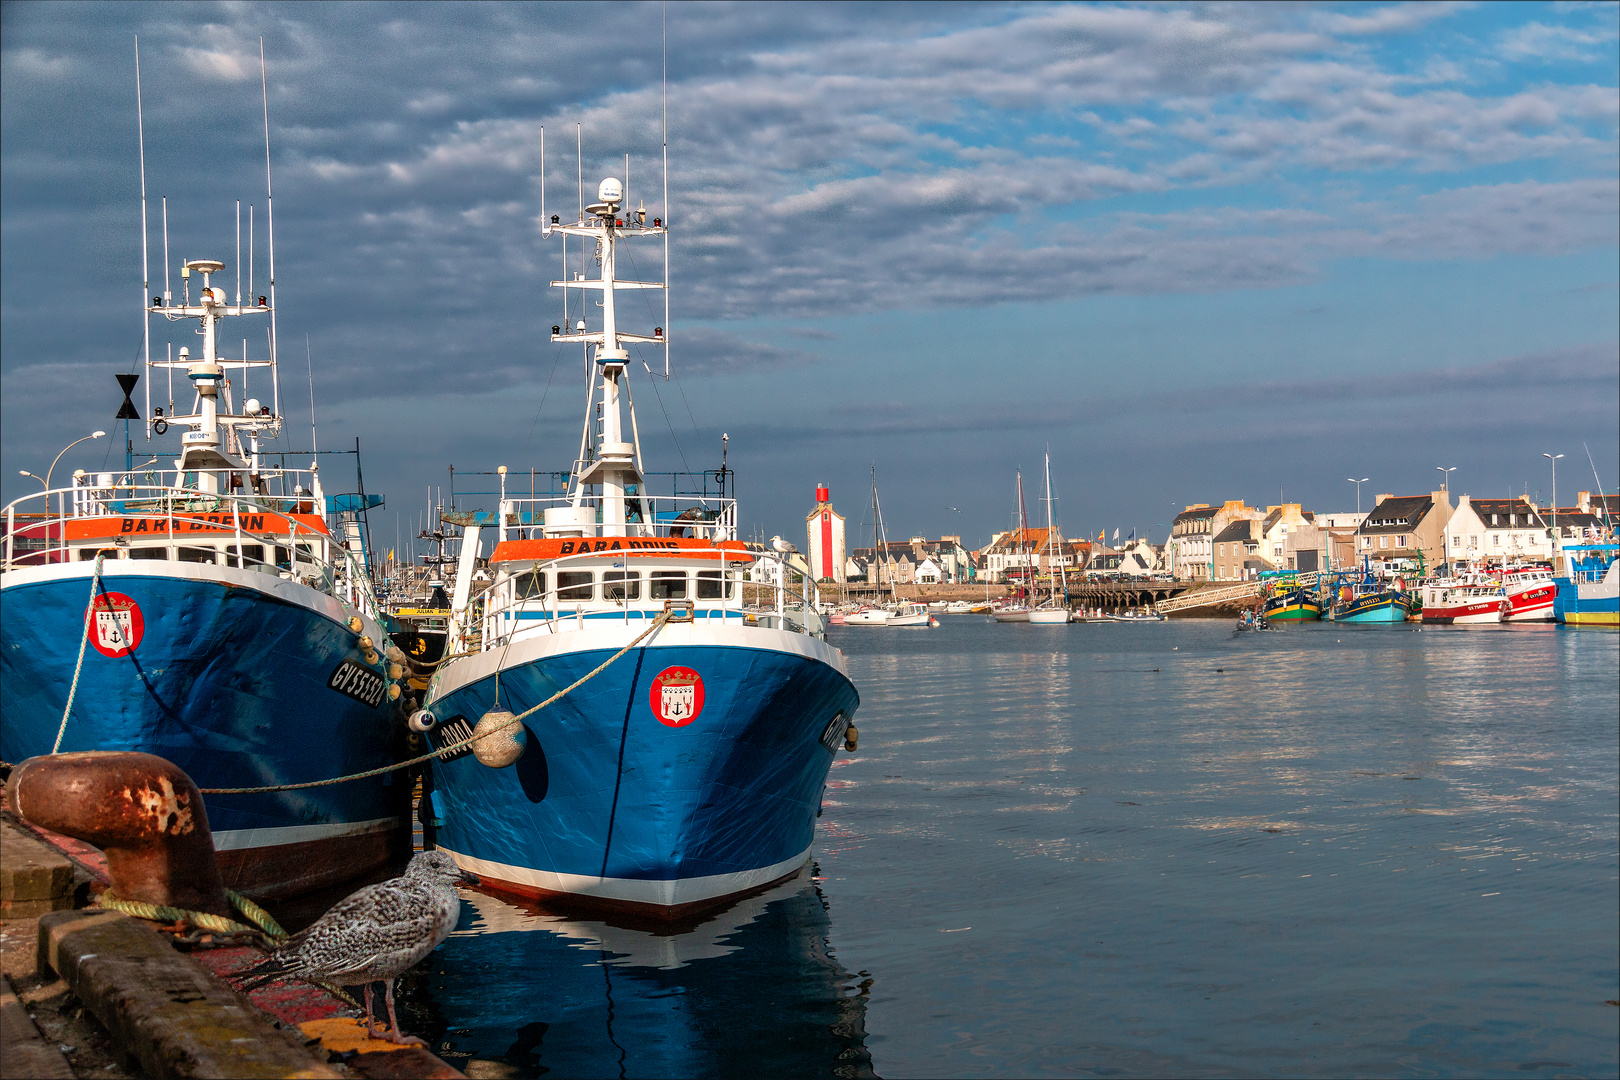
x: 1192, y: 537
x: 1401, y: 530
x: 825, y: 528
x: 1494, y: 530
x: 1019, y: 554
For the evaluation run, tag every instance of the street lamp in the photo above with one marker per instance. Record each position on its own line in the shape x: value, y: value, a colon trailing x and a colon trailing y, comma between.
x: 1554, y: 459
x: 25, y: 472
x: 1358, y: 484
x: 59, y: 503
x: 1445, y: 477
x: 76, y: 442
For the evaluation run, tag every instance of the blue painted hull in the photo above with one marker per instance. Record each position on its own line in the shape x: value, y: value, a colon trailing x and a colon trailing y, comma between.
x: 609, y: 802
x: 231, y: 684
x: 1385, y: 607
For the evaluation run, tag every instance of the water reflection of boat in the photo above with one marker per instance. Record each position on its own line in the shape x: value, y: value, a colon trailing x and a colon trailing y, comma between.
x: 752, y: 990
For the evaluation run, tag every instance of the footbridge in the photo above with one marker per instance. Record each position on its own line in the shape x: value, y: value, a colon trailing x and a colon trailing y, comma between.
x: 1238, y: 593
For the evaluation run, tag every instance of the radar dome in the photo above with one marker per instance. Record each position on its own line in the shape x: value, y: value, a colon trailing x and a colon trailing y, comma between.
x: 610, y: 191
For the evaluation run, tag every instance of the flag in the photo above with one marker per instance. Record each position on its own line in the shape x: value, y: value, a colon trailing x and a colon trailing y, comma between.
x: 1132, y: 536
x: 1116, y: 536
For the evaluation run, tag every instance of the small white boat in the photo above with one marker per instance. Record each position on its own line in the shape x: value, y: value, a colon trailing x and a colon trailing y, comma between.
x: 910, y: 615
x: 867, y: 616
x: 1137, y: 615
x: 1010, y: 613
x: 1049, y: 616
x: 960, y: 607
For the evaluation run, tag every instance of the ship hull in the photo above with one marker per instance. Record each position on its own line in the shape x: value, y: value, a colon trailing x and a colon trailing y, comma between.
x: 228, y: 679
x: 1478, y: 613
x: 1384, y: 607
x: 1588, y: 603
x: 1533, y: 604
x: 612, y: 805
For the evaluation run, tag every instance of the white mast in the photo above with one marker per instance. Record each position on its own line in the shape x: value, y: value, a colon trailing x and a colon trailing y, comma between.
x: 614, y: 466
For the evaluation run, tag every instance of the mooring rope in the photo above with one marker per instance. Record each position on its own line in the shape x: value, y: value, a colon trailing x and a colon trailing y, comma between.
x: 441, y: 751
x: 265, y: 923
x: 84, y: 639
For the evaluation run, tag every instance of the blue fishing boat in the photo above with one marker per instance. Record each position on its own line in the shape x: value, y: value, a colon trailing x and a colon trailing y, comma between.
x: 1363, y: 597
x: 208, y: 613
x: 690, y: 769
x: 1589, y: 594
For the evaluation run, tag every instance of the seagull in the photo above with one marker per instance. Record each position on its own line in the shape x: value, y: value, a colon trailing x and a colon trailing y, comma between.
x: 375, y: 934
x: 782, y: 545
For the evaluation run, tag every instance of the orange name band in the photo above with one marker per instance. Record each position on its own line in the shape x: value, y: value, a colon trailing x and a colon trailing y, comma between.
x: 664, y: 547
x: 189, y: 524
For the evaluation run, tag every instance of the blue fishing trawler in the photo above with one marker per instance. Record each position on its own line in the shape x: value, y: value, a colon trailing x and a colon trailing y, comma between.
x: 206, y: 611
x: 1364, y: 597
x: 1589, y: 592
x: 691, y: 769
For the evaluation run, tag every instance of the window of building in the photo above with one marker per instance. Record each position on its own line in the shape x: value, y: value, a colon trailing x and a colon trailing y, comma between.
x: 1496, y: 539
x: 1473, y: 541
x: 1383, y: 541
x: 1400, y: 541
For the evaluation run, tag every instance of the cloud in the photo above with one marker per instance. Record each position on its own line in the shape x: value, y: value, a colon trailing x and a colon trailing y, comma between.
x: 1540, y: 43
x: 1394, y: 19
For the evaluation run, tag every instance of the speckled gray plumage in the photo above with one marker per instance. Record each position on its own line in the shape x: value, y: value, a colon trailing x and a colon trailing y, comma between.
x: 377, y: 932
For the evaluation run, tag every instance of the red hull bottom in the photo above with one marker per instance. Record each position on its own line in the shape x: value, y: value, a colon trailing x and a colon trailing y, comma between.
x: 288, y: 870
x: 577, y: 903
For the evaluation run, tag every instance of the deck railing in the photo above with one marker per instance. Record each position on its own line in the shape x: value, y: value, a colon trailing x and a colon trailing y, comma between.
x: 188, y: 525
x: 498, y: 615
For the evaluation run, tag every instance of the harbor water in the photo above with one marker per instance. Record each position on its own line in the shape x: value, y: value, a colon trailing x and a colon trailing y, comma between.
x: 1106, y: 849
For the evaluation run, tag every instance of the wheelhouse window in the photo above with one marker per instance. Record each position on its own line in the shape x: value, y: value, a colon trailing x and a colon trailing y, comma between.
x: 710, y: 586
x: 668, y: 585
x: 575, y: 585
x: 621, y: 585
x: 149, y: 553
x: 529, y: 584
x: 196, y: 554
x: 252, y: 555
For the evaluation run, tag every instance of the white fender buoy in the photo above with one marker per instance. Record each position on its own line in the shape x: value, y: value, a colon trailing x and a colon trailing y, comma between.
x: 501, y: 749
x: 421, y: 720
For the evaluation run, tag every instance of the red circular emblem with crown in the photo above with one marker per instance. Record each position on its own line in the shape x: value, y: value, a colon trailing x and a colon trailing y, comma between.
x: 116, y: 626
x: 677, y: 696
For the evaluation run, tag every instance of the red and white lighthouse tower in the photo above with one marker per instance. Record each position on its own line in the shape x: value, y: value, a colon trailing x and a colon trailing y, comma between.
x: 825, y: 529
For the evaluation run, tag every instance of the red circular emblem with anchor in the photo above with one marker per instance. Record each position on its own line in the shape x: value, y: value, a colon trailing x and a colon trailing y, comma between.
x: 116, y: 626
x: 677, y: 696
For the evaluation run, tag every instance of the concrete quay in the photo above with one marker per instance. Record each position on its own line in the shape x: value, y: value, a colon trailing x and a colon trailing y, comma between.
x: 92, y: 993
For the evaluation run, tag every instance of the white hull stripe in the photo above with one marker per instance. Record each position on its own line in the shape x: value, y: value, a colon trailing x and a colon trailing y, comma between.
x: 279, y: 588
x: 614, y: 636
x: 667, y: 893
x: 237, y: 839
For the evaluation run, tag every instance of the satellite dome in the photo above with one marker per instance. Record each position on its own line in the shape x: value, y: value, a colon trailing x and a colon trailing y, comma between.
x: 610, y: 191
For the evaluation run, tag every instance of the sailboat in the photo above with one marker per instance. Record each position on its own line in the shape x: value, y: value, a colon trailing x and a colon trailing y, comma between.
x: 896, y: 612
x: 1017, y: 610
x: 688, y: 771
x: 1054, y: 610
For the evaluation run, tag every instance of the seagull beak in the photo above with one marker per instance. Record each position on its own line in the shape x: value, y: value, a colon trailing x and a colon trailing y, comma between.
x: 468, y: 879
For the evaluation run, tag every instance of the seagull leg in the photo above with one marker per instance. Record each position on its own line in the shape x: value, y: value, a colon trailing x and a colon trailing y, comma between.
x: 371, y: 1029
x: 393, y: 1035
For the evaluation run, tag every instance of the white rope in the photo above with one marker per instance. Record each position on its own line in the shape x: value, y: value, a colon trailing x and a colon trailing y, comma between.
x: 89, y: 614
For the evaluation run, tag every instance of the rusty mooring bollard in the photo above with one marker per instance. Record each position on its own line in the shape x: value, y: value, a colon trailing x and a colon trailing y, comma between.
x: 142, y: 810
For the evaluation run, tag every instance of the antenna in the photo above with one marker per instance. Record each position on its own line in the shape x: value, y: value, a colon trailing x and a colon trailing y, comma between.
x: 166, y: 293
x: 309, y: 358
x: 239, y: 253
x: 250, y: 249
x: 666, y: 192
x: 579, y: 158
x: 270, y: 226
x: 146, y: 274
x: 545, y: 222
x: 1601, y: 500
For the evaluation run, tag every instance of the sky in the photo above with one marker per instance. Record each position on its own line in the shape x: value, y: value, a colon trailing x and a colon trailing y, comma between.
x: 1195, y: 252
